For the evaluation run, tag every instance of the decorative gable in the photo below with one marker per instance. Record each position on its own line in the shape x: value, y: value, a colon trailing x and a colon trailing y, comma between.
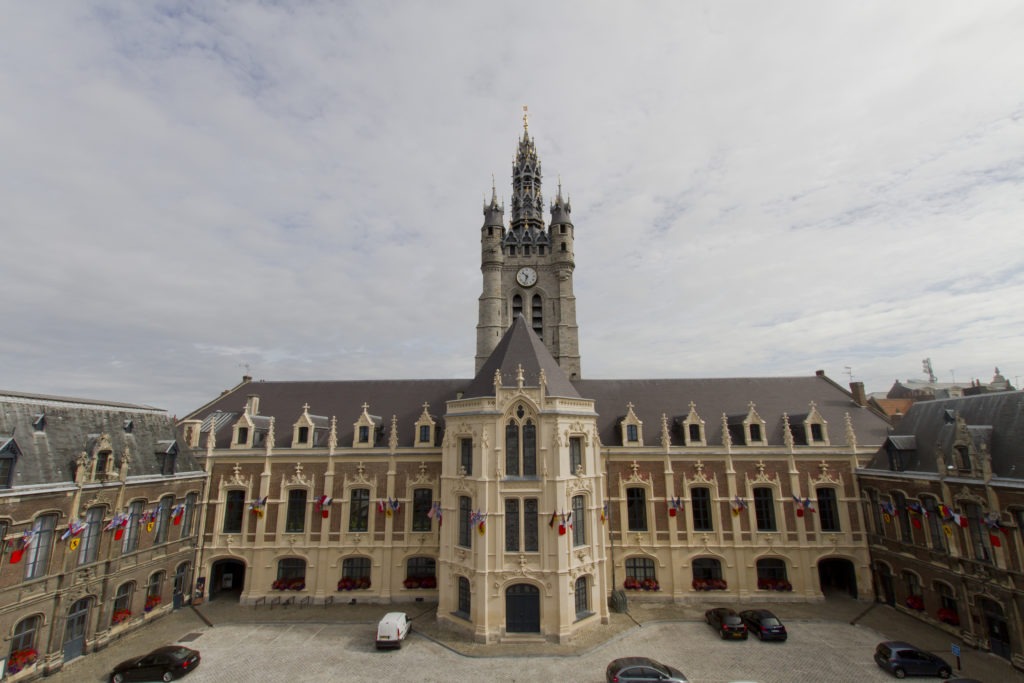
x: 694, y: 433
x: 631, y: 429
x: 747, y: 429
x: 309, y: 430
x: 367, y: 429
x: 426, y: 434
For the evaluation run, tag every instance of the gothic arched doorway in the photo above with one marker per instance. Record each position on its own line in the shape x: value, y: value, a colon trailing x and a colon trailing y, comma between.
x: 522, y: 609
x: 996, y: 627
x: 74, y: 629
x: 885, y: 587
x: 836, y: 576
x: 227, y: 579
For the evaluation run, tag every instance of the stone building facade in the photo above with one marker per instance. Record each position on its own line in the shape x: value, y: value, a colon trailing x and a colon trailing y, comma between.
x: 98, y: 518
x: 521, y: 498
x: 944, y: 499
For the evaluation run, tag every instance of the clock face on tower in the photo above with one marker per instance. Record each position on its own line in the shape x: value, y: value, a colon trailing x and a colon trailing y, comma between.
x: 527, y: 277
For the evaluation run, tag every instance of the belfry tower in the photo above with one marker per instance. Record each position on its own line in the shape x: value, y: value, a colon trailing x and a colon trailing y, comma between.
x: 527, y: 268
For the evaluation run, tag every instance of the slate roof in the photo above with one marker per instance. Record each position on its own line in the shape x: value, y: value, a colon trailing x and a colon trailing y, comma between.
x: 520, y: 346
x: 995, y: 420
x: 72, y: 425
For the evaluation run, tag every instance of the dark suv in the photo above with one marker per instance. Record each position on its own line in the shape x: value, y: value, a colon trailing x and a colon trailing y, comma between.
x: 901, y: 659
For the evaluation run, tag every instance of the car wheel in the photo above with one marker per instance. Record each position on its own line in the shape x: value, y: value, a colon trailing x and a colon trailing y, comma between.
x: 117, y: 678
x: 168, y: 676
x: 945, y: 673
x: 899, y: 673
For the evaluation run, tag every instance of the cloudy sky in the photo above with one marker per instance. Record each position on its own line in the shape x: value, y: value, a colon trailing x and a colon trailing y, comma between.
x: 194, y: 191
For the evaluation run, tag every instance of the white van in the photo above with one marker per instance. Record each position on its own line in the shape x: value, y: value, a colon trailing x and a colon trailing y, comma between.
x: 392, y: 630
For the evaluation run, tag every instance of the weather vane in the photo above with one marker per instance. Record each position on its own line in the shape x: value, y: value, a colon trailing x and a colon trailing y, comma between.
x: 526, y: 116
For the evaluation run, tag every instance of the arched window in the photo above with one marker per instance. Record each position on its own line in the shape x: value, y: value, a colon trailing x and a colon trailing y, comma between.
x: 582, y: 595
x: 771, y: 575
x: 357, y: 570
x: 517, y: 306
x: 181, y: 577
x: 163, y: 518
x: 131, y: 529
x: 90, y: 536
x: 291, y: 574
x: 464, y: 598
x: 23, y: 640
x: 123, y: 603
x: 421, y: 572
x: 949, y: 610
x: 37, y: 555
x: 188, y: 514
x: 154, y: 590
x: 705, y: 568
x: 422, y: 504
x: 520, y: 445
x: 640, y: 568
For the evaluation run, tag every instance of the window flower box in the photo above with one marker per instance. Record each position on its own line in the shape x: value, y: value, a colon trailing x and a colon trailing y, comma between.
x: 152, y: 602
x: 296, y: 584
x: 948, y: 616
x: 774, y: 585
x: 20, y: 659
x: 121, y: 616
x: 915, y: 602
x: 709, y: 585
x: 349, y: 584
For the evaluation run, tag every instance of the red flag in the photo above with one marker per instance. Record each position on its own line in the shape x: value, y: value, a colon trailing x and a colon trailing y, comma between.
x: 996, y: 543
x: 16, y: 555
x: 916, y: 522
x: 118, y: 533
x: 799, y: 512
x: 671, y: 512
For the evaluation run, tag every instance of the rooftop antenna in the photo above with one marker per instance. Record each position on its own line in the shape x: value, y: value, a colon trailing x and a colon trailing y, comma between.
x: 849, y: 371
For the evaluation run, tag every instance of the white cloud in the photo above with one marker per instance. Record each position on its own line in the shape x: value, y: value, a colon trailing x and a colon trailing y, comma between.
x: 757, y: 189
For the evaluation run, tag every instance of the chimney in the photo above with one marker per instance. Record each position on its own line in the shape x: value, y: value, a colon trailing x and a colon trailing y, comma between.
x: 859, y: 397
x: 252, y: 405
x: 246, y: 379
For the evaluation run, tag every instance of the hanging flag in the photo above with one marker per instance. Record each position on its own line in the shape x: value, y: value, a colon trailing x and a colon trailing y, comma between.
x: 561, y: 526
x: 604, y: 512
x: 996, y: 543
x: 322, y: 505
x: 23, y: 543
x: 381, y: 505
x: 799, y: 506
x: 389, y: 507
x: 738, y: 505
x: 395, y: 505
x: 808, y: 505
x: 177, y: 513
x: 75, y: 527
x: 948, y: 530
x: 256, y: 506
x: 551, y: 522
x: 568, y: 519
x: 674, y: 506
x: 916, y: 522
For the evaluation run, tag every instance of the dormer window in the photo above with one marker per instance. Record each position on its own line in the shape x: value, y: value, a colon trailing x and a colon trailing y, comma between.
x: 129, y: 426
x: 755, y: 433
x: 366, y: 429
x: 39, y: 422
x: 747, y: 429
x: 303, y: 434
x: 364, y: 434
x: 817, y: 433
x: 168, y: 458
x: 693, y: 433
x: 963, y: 458
x: 425, y: 427
x: 102, y: 464
x: 243, y: 436
x: 9, y: 453
x: 631, y: 428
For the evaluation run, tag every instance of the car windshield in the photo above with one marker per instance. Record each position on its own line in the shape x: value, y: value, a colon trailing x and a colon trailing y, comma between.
x: 178, y: 652
x: 770, y: 621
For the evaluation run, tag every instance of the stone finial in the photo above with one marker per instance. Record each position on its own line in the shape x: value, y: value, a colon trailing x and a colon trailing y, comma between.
x: 787, y: 434
x: 270, y: 437
x: 393, y: 437
x: 332, y: 437
x: 851, y: 437
x: 497, y: 379
x: 726, y: 439
x: 520, y: 380
x: 666, y: 441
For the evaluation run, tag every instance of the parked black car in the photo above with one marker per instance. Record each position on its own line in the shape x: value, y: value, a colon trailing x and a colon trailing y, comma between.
x: 162, y: 664
x: 638, y: 669
x: 726, y: 622
x: 901, y: 659
x: 764, y: 624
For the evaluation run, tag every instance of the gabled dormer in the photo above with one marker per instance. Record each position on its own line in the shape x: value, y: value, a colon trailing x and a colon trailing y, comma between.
x: 309, y: 430
x: 809, y: 429
x: 747, y: 428
x: 367, y: 429
x: 425, y: 429
x: 101, y: 457
x: 242, y: 431
x: 631, y: 429
x: 964, y: 447
x: 9, y: 454
x: 693, y: 427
